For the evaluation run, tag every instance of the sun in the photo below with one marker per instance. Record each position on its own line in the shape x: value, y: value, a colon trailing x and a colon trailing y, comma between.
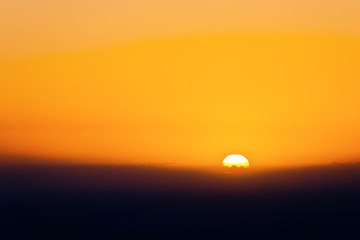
x: 236, y: 160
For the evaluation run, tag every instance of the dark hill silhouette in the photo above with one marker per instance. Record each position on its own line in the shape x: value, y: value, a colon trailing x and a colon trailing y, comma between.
x: 117, y: 202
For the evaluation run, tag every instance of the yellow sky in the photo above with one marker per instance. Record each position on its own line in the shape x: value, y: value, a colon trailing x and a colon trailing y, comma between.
x: 30, y: 27
x: 181, y: 83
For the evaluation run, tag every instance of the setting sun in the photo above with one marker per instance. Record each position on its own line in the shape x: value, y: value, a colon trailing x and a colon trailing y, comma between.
x: 235, y: 160
x: 210, y: 119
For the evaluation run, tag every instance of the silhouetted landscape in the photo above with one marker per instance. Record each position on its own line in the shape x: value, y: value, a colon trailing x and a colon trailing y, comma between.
x: 115, y: 202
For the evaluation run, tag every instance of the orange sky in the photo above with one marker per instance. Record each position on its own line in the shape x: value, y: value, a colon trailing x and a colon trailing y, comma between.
x: 181, y: 83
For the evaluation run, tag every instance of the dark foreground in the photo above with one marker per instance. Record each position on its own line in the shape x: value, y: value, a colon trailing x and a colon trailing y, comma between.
x: 107, y: 202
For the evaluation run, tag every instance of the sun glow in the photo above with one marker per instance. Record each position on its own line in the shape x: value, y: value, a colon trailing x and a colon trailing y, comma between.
x: 235, y: 160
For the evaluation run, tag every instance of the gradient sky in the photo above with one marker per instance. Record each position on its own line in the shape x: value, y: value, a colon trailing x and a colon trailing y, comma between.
x: 181, y: 83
